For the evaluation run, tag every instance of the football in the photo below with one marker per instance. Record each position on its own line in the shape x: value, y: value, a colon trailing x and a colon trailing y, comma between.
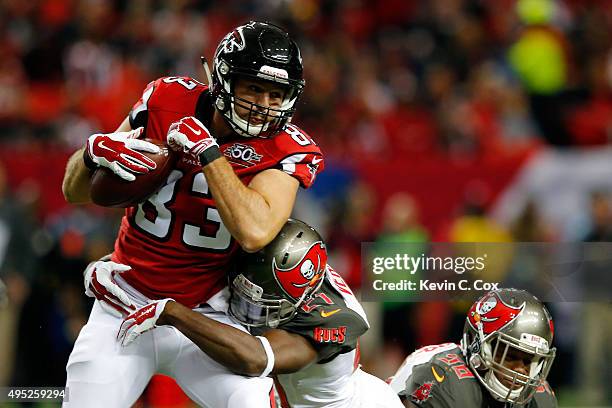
x: 109, y: 190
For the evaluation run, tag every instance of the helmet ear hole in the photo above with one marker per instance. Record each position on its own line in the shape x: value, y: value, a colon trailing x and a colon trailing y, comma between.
x: 476, y: 362
x: 220, y: 104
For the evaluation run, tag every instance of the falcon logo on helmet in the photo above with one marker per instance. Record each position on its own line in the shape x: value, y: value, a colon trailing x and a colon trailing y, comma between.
x: 492, y: 313
x: 234, y: 41
x: 306, y: 273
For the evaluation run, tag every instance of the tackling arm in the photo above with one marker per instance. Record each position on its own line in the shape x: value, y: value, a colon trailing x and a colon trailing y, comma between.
x: 239, y: 351
x: 75, y: 185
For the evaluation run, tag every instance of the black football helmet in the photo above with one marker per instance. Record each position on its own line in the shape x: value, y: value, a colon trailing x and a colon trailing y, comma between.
x: 272, y: 284
x: 500, y: 325
x: 260, y: 51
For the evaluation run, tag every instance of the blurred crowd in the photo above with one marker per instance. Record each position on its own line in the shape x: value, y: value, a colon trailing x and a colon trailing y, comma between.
x: 426, y: 87
x: 385, y: 78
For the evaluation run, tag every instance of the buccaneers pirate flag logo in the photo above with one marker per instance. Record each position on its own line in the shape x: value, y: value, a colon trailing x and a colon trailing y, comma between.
x: 305, y: 273
x: 493, y: 313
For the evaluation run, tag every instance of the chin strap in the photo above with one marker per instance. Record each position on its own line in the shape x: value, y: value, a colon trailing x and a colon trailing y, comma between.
x: 206, y: 71
x: 497, y: 386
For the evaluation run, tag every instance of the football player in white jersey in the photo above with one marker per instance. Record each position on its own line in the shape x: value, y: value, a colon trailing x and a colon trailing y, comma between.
x: 305, y: 322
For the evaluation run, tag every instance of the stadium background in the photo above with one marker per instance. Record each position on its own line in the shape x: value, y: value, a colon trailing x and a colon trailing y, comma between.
x: 440, y: 120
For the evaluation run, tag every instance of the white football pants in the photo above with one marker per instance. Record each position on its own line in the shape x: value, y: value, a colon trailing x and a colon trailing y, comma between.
x: 372, y: 392
x: 103, y: 374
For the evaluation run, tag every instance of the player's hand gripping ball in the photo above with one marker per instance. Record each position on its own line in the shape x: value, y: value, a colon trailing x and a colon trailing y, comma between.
x: 190, y: 136
x: 139, y: 169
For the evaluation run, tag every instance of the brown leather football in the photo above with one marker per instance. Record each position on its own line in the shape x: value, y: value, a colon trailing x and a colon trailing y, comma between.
x: 109, y: 190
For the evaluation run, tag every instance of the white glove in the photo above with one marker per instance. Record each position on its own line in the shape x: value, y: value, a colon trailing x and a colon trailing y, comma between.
x: 100, y: 283
x: 142, y: 320
x: 118, y: 152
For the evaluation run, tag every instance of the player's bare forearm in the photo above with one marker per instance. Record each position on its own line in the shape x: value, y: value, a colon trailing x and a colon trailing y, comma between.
x: 255, y: 213
x: 238, y: 351
x: 292, y: 352
x: 235, y: 349
x: 75, y: 185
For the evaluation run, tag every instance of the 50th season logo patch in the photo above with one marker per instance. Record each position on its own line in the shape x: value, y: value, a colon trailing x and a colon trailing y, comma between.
x: 242, y: 154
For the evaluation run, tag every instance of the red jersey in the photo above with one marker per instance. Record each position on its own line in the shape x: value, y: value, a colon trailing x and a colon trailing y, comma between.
x: 175, y: 241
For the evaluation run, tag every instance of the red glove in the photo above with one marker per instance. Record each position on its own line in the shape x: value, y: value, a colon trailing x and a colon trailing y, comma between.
x: 117, y: 151
x: 191, y: 137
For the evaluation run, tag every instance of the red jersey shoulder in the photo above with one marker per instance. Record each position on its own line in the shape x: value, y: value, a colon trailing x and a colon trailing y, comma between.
x: 297, y: 154
x: 174, y: 94
x: 170, y: 93
x: 294, y: 139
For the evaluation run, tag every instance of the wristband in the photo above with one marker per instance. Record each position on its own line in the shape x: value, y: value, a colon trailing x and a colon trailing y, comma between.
x: 270, y: 354
x: 209, y: 155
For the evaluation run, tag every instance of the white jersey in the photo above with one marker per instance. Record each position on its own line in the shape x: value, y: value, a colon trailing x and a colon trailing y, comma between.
x: 321, y: 385
x: 333, y: 320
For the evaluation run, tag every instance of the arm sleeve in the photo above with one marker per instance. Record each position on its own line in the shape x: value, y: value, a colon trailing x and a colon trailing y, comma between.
x: 298, y: 155
x: 303, y: 166
x: 330, y: 336
x: 447, y: 391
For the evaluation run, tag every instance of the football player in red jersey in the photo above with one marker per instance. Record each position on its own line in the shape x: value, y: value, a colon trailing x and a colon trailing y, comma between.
x: 234, y: 186
x: 307, y: 320
x: 502, y: 362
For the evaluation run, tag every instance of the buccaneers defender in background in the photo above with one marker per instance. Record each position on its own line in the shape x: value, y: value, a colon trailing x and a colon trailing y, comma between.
x: 503, y: 360
x: 305, y: 313
x: 234, y: 186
